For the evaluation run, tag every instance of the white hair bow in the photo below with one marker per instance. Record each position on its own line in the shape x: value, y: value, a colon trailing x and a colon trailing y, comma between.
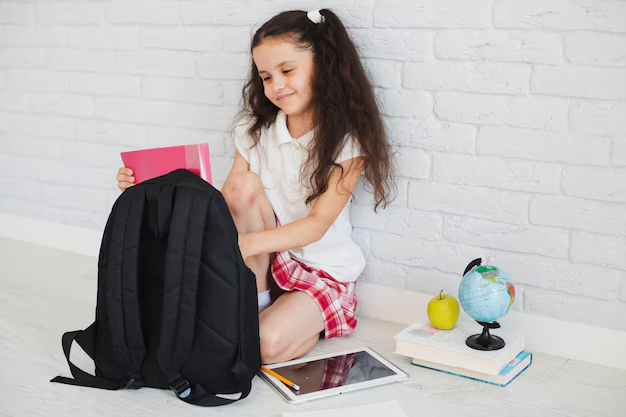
x: 315, y: 16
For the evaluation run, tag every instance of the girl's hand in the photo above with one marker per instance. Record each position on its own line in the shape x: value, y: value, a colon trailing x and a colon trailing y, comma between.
x: 125, y: 178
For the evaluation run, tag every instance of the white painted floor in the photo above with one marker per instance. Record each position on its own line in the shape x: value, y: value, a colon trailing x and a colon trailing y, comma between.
x: 45, y: 292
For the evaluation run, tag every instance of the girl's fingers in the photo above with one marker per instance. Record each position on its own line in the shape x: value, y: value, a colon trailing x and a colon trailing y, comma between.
x: 124, y: 178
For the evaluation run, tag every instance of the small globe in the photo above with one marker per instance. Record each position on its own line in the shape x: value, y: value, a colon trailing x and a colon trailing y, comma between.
x: 486, y: 293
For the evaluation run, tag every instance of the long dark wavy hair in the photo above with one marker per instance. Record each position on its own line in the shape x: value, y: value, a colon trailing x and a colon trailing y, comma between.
x: 342, y: 102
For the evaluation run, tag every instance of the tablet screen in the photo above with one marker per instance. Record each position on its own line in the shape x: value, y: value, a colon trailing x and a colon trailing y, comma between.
x: 336, y: 371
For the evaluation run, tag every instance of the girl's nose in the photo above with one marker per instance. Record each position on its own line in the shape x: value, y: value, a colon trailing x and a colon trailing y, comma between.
x: 279, y: 85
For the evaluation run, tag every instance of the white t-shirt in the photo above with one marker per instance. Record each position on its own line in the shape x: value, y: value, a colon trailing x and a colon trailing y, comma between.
x: 277, y: 160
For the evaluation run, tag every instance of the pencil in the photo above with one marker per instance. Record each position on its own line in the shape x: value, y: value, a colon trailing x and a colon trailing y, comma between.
x: 281, y: 378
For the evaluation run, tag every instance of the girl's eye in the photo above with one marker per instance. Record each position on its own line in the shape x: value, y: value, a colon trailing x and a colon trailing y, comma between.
x: 266, y: 79
x: 287, y: 71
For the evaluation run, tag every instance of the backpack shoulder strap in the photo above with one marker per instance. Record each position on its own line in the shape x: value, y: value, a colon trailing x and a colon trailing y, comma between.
x: 82, y: 378
x: 182, y: 271
x: 119, y: 275
x: 182, y: 265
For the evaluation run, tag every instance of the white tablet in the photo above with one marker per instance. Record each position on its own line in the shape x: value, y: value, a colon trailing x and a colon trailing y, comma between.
x: 332, y: 373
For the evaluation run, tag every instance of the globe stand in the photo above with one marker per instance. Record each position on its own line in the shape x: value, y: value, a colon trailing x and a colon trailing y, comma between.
x: 485, y: 341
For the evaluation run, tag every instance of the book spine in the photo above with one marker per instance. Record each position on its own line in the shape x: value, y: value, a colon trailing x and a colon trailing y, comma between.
x: 522, y: 371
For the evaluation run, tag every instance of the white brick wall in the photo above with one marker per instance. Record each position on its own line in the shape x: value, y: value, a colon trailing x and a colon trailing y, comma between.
x: 508, y: 118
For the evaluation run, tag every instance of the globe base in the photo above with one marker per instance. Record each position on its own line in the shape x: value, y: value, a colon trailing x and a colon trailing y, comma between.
x: 486, y: 341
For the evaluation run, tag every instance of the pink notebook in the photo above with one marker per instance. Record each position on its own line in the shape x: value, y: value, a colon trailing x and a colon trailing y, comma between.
x: 151, y: 163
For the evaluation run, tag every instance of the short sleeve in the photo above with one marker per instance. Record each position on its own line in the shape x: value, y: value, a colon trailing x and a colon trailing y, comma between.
x: 351, y: 149
x: 243, y: 141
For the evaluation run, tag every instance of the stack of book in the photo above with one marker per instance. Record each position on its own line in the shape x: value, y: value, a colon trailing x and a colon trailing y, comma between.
x: 446, y: 351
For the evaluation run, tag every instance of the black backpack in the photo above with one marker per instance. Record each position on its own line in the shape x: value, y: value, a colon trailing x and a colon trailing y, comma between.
x: 177, y: 307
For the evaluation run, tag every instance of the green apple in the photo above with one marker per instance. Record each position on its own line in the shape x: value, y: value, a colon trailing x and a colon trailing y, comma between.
x: 443, y: 311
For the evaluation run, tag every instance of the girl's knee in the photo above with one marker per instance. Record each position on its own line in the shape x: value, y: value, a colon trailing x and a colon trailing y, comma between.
x: 277, y: 347
x: 273, y: 347
x: 241, y: 191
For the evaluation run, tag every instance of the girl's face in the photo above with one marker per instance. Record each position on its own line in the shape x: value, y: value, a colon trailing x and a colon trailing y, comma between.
x: 287, y: 72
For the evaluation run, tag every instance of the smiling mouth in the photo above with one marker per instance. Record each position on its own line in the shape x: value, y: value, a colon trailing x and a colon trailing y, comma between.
x: 285, y: 96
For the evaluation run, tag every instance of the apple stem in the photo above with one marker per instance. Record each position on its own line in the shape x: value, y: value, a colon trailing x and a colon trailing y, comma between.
x: 440, y: 295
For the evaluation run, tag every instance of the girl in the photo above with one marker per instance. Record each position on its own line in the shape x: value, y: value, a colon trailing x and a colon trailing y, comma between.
x: 308, y: 129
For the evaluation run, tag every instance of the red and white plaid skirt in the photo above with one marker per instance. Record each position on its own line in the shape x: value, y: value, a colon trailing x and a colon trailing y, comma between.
x: 337, y: 300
